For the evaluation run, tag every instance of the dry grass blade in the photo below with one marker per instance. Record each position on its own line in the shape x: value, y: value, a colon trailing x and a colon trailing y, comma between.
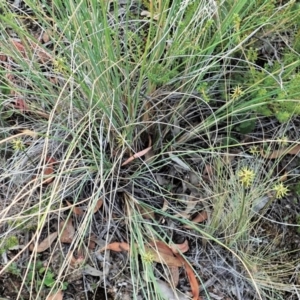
x: 48, y: 170
x: 190, y: 205
x: 146, y: 212
x: 24, y: 132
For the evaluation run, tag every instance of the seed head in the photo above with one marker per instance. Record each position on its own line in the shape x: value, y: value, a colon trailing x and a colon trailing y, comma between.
x: 246, y: 176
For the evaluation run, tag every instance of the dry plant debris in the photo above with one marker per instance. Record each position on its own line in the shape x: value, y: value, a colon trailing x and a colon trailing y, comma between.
x: 164, y: 254
x: 56, y: 296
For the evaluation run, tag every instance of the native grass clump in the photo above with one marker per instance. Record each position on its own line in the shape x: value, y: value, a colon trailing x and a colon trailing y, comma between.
x: 149, y: 142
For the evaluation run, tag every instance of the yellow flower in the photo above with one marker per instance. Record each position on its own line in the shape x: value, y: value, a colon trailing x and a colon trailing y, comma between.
x: 59, y: 65
x: 246, y: 176
x: 280, y: 190
x: 18, y: 145
x: 283, y: 141
x: 254, y: 150
x: 237, y: 93
x: 148, y: 257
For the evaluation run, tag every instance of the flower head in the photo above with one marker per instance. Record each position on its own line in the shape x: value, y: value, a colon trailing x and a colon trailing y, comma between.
x: 246, y: 176
x: 18, y: 145
x: 254, y: 150
x: 148, y: 257
x: 283, y: 141
x: 59, y: 65
x: 280, y: 190
x: 237, y: 93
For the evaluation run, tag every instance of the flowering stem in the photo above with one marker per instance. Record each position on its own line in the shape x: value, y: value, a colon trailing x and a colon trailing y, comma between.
x: 242, y: 211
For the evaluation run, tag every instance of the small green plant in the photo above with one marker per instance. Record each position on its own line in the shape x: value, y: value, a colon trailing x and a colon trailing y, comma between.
x: 246, y: 126
x: 296, y: 188
x: 42, y: 276
x: 14, y: 269
x: 283, y: 141
x: 8, y: 243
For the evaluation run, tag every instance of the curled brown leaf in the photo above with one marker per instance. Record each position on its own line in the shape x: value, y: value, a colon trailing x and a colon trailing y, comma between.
x: 136, y: 155
x: 75, y: 262
x: 192, y: 278
x: 161, y: 247
x: 174, y: 275
x: 200, y: 217
x: 118, y: 247
x: 180, y: 248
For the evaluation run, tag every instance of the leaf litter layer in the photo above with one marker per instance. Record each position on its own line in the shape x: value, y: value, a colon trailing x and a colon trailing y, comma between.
x: 149, y: 150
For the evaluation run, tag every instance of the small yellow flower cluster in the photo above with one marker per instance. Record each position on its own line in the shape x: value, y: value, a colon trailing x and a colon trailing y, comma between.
x: 254, y: 150
x: 237, y: 22
x: 246, y: 176
x: 59, y: 65
x: 283, y: 141
x: 148, y: 257
x: 18, y: 145
x: 280, y: 190
x: 237, y: 93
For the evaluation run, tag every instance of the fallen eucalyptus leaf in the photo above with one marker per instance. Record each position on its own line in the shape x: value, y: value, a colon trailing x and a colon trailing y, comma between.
x: 76, y: 210
x: 136, y: 155
x: 56, y: 296
x: 67, y: 231
x: 45, y: 244
x: 92, y: 271
x: 98, y: 205
x: 179, y: 162
x: 261, y: 203
x: 168, y: 292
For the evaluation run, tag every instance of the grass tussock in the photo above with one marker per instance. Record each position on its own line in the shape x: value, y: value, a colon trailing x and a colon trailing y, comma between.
x: 135, y: 135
